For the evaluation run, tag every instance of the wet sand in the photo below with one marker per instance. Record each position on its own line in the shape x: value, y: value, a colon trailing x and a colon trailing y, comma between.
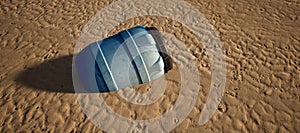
x: 261, y: 41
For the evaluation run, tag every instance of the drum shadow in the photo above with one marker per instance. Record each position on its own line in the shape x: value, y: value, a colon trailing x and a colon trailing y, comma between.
x: 53, y: 75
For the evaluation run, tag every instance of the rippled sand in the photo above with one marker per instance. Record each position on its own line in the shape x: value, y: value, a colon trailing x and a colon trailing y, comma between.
x: 261, y: 41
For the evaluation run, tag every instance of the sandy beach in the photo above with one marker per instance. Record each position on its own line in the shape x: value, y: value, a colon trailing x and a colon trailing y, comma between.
x: 261, y: 43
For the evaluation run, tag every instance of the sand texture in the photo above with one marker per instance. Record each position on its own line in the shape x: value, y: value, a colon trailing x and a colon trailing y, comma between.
x: 261, y: 41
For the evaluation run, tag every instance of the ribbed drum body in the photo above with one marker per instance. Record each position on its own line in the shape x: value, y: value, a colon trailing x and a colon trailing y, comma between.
x: 126, y: 59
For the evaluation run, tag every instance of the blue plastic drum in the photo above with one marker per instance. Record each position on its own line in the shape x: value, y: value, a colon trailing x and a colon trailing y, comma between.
x: 131, y: 57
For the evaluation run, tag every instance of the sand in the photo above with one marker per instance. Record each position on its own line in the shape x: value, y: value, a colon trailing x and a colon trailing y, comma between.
x: 261, y: 41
